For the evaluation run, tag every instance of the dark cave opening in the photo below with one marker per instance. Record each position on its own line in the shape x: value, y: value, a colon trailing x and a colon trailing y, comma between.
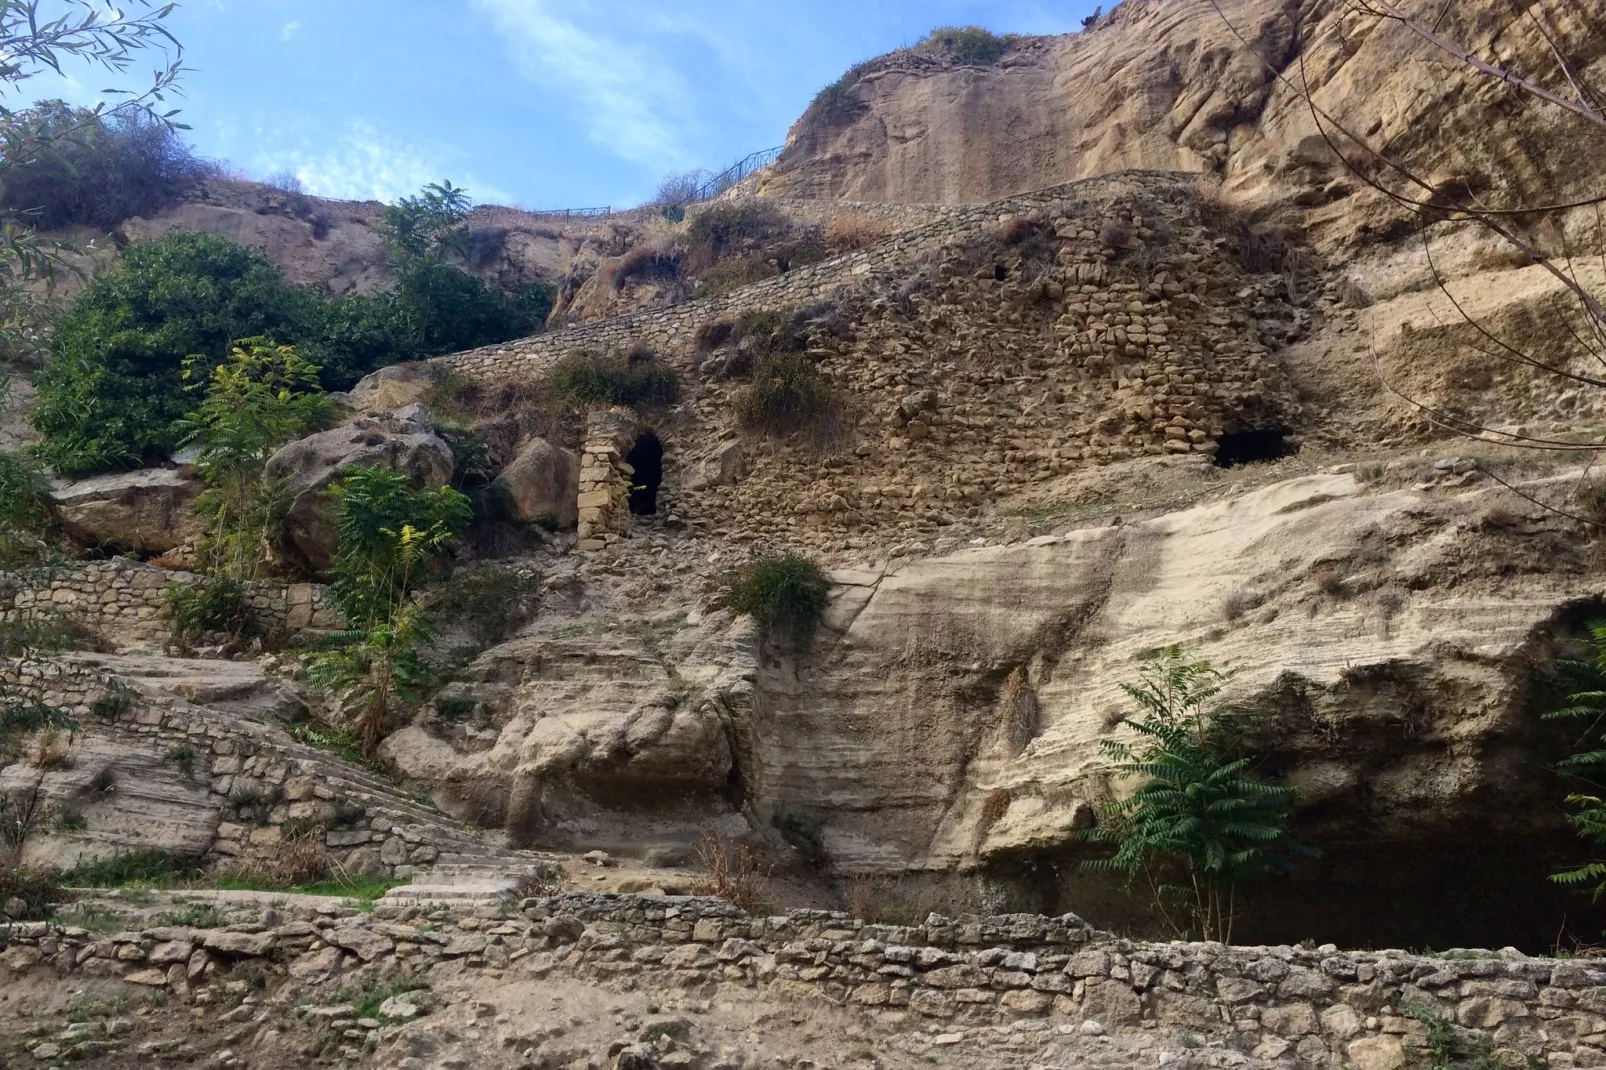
x: 1248, y: 447
x: 646, y: 457
x: 1000, y: 272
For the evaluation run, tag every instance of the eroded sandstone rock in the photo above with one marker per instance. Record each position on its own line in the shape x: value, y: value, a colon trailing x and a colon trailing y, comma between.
x: 150, y: 511
x: 400, y: 440
x: 542, y: 484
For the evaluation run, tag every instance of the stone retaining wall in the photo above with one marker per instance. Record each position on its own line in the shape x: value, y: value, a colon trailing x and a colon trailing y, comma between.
x: 667, y: 329
x: 124, y: 601
x: 1291, y: 1005
x: 246, y: 782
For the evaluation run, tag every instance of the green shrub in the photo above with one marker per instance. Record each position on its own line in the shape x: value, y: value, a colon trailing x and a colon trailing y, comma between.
x: 1200, y: 825
x: 969, y: 44
x: 725, y: 229
x: 788, y: 394
x: 586, y: 377
x: 210, y: 604
x: 728, y: 276
x: 98, y: 170
x: 788, y: 594
x: 113, y: 387
x: 835, y: 104
x: 25, y: 517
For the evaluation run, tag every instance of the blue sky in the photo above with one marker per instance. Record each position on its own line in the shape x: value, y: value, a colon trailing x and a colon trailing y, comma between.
x: 539, y: 103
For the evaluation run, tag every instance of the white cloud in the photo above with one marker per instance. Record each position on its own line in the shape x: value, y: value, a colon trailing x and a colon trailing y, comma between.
x: 629, y: 100
x: 289, y: 31
x: 368, y: 164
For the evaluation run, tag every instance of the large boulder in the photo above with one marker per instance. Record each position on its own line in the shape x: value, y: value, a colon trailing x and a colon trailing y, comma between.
x: 150, y: 511
x: 389, y: 389
x: 542, y: 483
x: 401, y: 441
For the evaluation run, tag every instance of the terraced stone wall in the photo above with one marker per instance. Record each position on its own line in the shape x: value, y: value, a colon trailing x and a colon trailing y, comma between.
x: 124, y: 601
x: 975, y: 357
x: 1296, y: 1006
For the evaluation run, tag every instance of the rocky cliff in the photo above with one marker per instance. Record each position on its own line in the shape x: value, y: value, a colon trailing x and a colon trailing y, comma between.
x: 1203, y: 86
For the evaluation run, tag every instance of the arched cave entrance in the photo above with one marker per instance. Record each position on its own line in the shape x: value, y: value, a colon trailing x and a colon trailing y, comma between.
x: 1248, y: 447
x: 647, y: 458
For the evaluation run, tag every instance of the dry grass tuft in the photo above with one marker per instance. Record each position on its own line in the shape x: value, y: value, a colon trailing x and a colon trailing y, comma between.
x: 733, y: 872
x: 846, y: 232
x: 296, y: 860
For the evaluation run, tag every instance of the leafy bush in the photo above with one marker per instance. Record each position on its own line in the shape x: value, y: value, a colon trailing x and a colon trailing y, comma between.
x: 391, y: 538
x: 25, y: 518
x: 968, y: 44
x: 789, y: 593
x: 209, y: 604
x: 98, y: 170
x: 1586, y: 675
x: 788, y: 394
x: 586, y: 377
x: 113, y: 388
x: 260, y: 398
x: 1199, y: 825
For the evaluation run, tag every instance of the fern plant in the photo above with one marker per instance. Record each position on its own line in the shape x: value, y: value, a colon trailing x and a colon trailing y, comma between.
x: 1587, y: 766
x: 1199, y: 825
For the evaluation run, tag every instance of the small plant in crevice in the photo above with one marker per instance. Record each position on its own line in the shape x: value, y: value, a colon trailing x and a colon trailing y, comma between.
x: 544, y: 880
x: 213, y: 603
x: 184, y: 757
x: 1199, y: 826
x: 787, y: 595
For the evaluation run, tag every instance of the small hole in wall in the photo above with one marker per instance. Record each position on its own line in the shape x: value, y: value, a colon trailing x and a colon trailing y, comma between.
x: 1000, y: 272
x: 1248, y: 447
x: 647, y: 458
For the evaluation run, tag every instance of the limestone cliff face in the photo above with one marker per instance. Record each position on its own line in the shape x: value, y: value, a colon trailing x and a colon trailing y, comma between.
x: 1171, y: 84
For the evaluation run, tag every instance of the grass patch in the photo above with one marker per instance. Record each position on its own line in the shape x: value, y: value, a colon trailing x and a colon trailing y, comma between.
x: 149, y: 869
x: 787, y: 594
x: 359, y: 892
x: 37, y: 890
x: 788, y: 394
x: 191, y: 916
x: 367, y: 997
x: 586, y: 377
x: 968, y: 44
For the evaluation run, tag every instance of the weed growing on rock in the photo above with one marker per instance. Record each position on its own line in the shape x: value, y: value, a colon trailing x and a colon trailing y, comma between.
x: 209, y: 604
x: 788, y: 594
x: 1200, y: 825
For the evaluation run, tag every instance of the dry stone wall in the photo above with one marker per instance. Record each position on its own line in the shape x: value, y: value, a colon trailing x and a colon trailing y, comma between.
x: 976, y: 357
x: 123, y: 601
x: 1311, y: 1007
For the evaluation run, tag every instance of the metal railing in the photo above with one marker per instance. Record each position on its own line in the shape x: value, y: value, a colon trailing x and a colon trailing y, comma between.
x: 732, y: 175
x: 727, y: 179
